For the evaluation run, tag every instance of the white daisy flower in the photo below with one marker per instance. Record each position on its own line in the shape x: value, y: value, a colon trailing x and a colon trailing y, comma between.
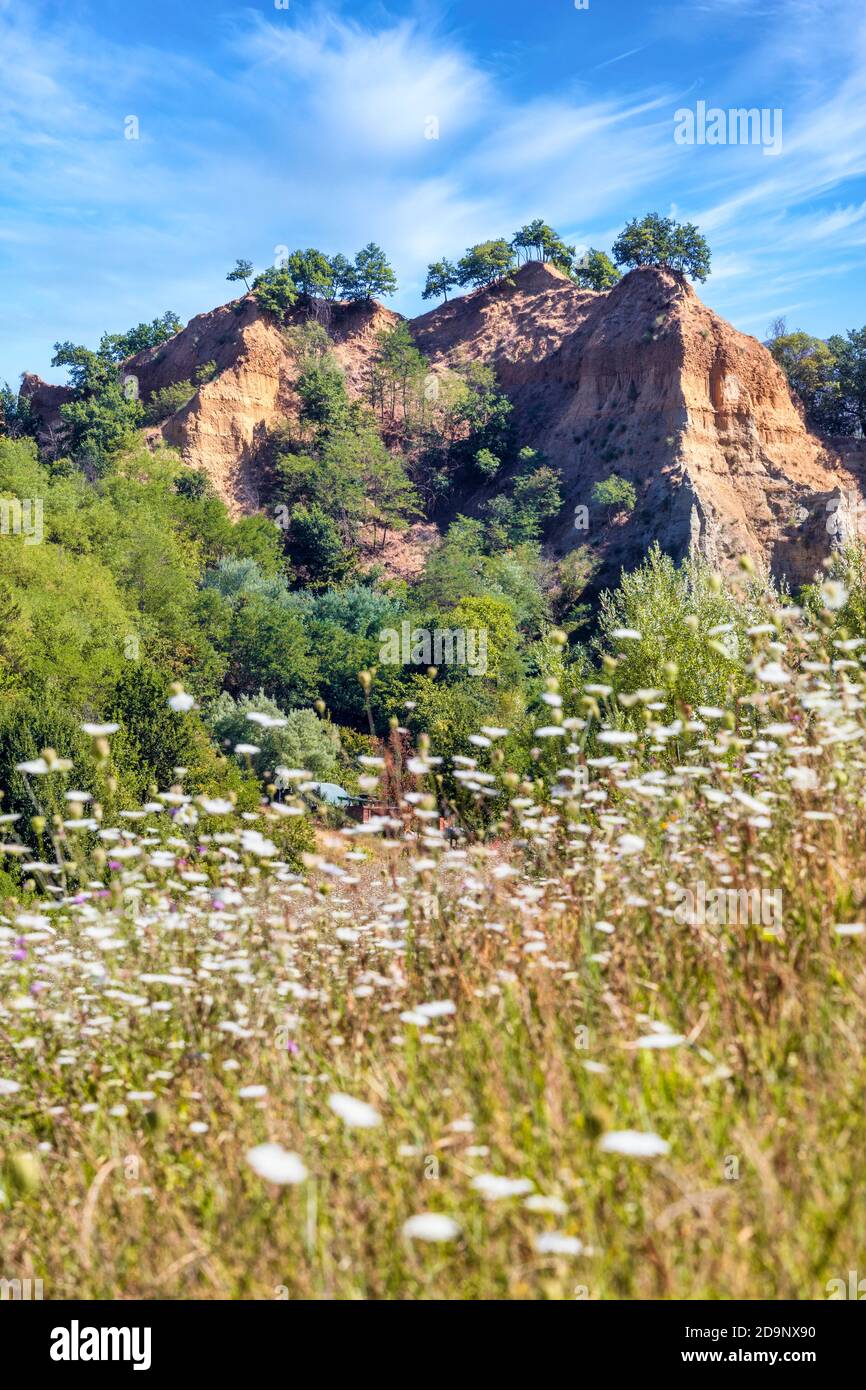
x: 357, y: 1114
x: 276, y: 1164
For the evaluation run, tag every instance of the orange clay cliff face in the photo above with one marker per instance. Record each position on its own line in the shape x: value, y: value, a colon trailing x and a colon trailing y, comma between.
x: 643, y: 381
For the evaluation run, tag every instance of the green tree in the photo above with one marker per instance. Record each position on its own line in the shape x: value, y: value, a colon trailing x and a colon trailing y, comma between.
x: 243, y: 270
x: 298, y: 739
x: 16, y: 413
x: 269, y: 650
x: 529, y: 238
x: 492, y: 615
x: 193, y: 484
x: 324, y: 400
x: 343, y: 468
x: 317, y: 550
x: 308, y: 343
x: 577, y: 570
x: 487, y: 463
x: 520, y: 517
x: 343, y: 281
x: 312, y: 272
x: 675, y: 609
x: 441, y: 277
x: 373, y: 276
x: 116, y: 347
x: 391, y: 498
x: 660, y: 241
x: 275, y: 291
x: 101, y: 417
x: 486, y: 263
x: 596, y: 271
x: 850, y: 353
x: 483, y: 414
x: 155, y: 738
x: 166, y: 401
x: 13, y: 640
x: 537, y: 500
x: 812, y: 368
x: 398, y: 374
x: 547, y: 244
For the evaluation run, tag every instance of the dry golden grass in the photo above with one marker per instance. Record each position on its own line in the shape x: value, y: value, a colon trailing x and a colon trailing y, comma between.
x: 558, y: 955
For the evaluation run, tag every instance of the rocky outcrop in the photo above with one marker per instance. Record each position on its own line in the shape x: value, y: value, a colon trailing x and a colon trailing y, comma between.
x: 45, y: 402
x: 646, y: 382
x: 223, y: 427
x: 643, y: 381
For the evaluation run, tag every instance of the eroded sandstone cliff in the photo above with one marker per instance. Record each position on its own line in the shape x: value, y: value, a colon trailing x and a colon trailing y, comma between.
x: 644, y: 381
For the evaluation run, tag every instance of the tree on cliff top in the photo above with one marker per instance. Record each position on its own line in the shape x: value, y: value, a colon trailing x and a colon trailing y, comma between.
x: 660, y: 241
x: 596, y: 271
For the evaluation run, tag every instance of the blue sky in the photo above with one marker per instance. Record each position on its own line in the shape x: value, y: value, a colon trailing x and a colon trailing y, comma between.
x: 261, y: 127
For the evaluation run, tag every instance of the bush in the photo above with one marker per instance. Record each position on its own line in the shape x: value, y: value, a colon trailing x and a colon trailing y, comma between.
x: 302, y: 740
x: 692, y: 630
x: 166, y: 401
x: 615, y: 493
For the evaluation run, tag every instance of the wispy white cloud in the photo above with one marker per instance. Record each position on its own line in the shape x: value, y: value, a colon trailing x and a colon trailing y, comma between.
x: 314, y: 130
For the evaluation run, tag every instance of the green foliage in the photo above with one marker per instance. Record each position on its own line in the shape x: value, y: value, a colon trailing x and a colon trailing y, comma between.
x: 166, y: 401
x: 692, y: 630
x: 116, y: 347
x: 154, y: 739
x: 462, y: 567
x: 519, y: 516
x: 828, y: 376
x: 596, y: 271
x: 325, y: 405
x: 615, y: 493
x: 300, y: 739
x: 269, y: 650
x: 811, y: 368
x: 275, y: 291
x: 442, y: 276
x: 660, y: 241
x: 342, y: 277
x: 844, y: 586
x: 192, y: 484
x: 398, y: 373
x: 101, y: 417
x: 26, y: 728
x: 486, y: 264
x: 537, y: 500
x: 448, y: 712
x: 487, y: 463
x: 539, y: 241
x: 850, y: 353
x: 341, y: 473
x: 372, y: 276
x: 116, y: 578
x: 312, y: 273
x: 255, y: 537
x: 316, y: 546
x: 243, y: 270
x: 17, y: 419
x: 483, y: 412
x: 493, y: 615
x: 294, y: 837
x: 236, y: 576
x: 576, y: 572
x: 308, y: 343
